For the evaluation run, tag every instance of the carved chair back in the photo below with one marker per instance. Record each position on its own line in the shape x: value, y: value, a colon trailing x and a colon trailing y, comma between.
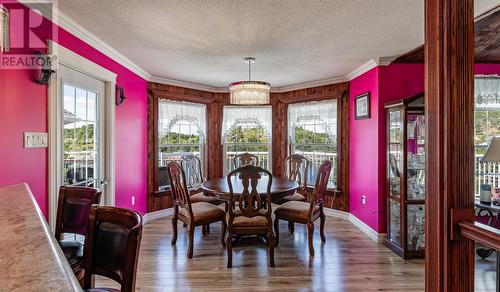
x: 193, y: 170
x: 112, y: 245
x: 73, y: 209
x: 250, y: 201
x: 178, y: 186
x: 321, y: 183
x: 246, y: 158
x: 297, y: 169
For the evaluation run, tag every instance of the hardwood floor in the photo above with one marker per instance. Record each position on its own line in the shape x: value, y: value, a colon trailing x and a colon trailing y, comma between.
x: 348, y: 261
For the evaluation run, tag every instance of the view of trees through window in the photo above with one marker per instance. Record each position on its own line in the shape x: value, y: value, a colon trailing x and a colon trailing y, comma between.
x: 486, y: 126
x: 313, y: 133
x: 181, y: 128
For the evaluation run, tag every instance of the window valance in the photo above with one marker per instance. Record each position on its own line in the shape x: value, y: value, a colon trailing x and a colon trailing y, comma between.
x: 487, y: 90
x: 316, y: 117
x: 182, y: 117
x: 247, y: 117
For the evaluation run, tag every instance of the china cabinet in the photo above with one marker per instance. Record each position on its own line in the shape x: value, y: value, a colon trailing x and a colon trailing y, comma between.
x: 406, y: 176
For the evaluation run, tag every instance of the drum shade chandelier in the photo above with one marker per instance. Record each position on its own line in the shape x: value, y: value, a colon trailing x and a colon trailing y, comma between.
x: 249, y: 92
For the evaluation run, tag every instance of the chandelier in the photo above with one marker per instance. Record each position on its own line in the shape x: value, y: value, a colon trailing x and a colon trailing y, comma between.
x: 249, y: 92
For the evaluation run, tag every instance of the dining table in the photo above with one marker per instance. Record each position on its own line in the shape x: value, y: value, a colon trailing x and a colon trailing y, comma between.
x: 219, y: 188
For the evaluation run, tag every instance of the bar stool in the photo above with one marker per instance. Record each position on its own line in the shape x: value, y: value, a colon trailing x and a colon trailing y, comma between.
x: 72, y: 214
x: 112, y: 247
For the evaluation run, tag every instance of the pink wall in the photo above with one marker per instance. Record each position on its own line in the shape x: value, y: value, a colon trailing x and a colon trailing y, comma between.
x: 368, y: 137
x: 363, y: 158
x: 23, y: 107
x: 368, y: 160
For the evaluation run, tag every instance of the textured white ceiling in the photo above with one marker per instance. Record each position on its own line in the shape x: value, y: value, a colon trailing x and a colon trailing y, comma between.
x: 294, y: 41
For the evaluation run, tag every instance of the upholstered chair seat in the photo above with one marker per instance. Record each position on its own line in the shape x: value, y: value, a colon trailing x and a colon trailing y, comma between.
x: 202, y: 213
x: 73, y: 251
x: 295, y: 211
x: 295, y: 197
x: 201, y: 197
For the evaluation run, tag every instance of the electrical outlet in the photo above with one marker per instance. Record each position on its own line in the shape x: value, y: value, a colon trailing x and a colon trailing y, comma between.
x: 133, y: 200
x: 363, y: 199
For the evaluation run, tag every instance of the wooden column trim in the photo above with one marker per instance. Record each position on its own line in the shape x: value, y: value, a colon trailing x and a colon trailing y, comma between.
x: 449, y: 109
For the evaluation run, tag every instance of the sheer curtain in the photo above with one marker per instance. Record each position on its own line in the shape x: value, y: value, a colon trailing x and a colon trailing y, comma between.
x: 171, y: 112
x: 250, y: 116
x: 487, y: 90
x: 319, y: 117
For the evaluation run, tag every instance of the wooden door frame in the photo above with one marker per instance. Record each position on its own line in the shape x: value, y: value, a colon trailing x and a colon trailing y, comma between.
x: 449, y: 63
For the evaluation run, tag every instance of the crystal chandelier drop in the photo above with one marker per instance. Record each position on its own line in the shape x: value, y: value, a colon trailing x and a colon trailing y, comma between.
x: 249, y: 92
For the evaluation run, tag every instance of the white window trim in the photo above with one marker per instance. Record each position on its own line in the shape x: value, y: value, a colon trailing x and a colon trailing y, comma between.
x: 81, y: 64
x: 225, y: 165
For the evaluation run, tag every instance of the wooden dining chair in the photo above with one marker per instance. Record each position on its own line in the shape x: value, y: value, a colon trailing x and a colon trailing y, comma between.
x: 191, y: 214
x: 250, y: 215
x: 307, y: 212
x: 192, y: 167
x: 296, y: 169
x: 246, y: 158
x: 112, y: 245
x: 72, y: 214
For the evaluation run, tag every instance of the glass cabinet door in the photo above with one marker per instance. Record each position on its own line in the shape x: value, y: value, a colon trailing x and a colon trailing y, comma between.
x: 415, y: 181
x: 394, y: 157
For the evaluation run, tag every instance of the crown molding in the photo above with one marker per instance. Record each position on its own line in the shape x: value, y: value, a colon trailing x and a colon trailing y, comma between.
x: 323, y: 82
x: 186, y: 84
x: 202, y: 87
x: 362, y: 69
x: 70, y: 25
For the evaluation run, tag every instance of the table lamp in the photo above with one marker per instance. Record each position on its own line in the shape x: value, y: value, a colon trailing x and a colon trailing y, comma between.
x: 491, y: 155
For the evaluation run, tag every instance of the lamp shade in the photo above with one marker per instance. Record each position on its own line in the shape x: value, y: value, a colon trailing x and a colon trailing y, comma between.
x: 493, y: 152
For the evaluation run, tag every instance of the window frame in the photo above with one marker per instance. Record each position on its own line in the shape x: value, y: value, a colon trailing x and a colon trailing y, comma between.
x: 153, y: 180
x: 225, y: 165
x: 338, y: 135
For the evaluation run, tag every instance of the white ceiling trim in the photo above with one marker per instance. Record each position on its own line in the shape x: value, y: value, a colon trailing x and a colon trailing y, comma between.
x: 73, y: 27
x: 190, y: 85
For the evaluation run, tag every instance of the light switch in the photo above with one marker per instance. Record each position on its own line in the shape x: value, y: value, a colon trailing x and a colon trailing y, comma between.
x: 35, y: 140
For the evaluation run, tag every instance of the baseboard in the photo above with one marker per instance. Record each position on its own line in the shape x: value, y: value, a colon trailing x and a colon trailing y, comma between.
x: 370, y: 232
x: 374, y: 235
x: 158, y: 214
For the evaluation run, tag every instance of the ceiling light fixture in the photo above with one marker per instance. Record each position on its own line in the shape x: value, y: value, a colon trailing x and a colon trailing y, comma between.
x: 249, y: 92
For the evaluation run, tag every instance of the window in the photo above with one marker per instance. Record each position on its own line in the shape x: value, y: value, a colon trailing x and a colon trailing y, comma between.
x: 247, y: 129
x: 486, y: 126
x: 181, y: 131
x: 312, y: 132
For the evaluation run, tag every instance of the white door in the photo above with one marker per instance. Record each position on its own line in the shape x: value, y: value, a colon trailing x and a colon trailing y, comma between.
x: 82, y: 138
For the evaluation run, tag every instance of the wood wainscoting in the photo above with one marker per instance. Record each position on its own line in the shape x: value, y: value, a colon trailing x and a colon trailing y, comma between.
x: 215, y: 102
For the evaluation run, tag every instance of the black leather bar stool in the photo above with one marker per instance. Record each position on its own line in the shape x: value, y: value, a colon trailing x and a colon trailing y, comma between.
x: 112, y: 247
x: 72, y: 214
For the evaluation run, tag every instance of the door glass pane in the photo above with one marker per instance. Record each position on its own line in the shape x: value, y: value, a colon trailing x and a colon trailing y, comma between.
x: 80, y: 154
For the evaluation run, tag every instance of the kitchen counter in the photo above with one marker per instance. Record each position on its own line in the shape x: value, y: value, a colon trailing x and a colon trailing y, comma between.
x: 30, y: 257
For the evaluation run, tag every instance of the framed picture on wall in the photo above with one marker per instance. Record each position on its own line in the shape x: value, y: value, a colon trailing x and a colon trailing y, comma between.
x: 362, y: 106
